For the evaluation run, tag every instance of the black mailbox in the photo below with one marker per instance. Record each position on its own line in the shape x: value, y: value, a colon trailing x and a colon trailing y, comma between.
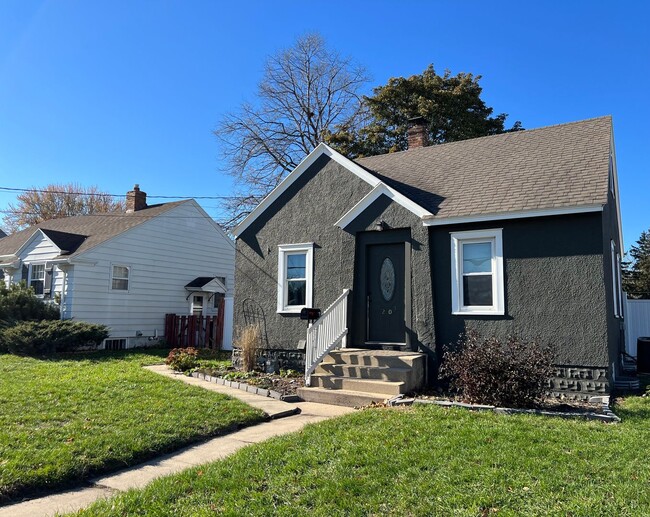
x: 309, y: 314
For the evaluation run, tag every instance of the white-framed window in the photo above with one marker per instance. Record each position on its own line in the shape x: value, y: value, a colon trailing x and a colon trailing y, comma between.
x: 37, y: 277
x: 295, y: 276
x: 477, y: 281
x: 120, y: 278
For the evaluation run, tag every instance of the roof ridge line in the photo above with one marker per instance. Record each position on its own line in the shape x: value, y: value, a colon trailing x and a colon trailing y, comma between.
x: 505, y: 133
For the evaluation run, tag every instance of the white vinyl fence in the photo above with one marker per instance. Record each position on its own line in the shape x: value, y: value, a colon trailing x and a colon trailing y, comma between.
x: 637, y: 323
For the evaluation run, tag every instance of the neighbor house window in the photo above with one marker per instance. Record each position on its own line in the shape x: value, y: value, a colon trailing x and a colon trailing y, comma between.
x: 477, y: 282
x: 295, y: 277
x: 37, y: 278
x: 120, y: 278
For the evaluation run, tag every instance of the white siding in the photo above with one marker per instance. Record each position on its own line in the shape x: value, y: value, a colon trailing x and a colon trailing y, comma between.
x: 163, y: 254
x: 39, y: 251
x: 637, y: 323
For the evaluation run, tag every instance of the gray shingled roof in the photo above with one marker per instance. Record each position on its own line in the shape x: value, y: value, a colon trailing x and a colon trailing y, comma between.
x: 83, y: 232
x: 558, y: 166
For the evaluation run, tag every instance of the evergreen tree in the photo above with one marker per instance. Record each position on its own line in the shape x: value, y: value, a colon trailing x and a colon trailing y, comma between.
x: 451, y: 105
x: 636, y: 273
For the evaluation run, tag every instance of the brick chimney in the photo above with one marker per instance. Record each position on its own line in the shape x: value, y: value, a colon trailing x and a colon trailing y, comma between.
x: 135, y: 200
x: 418, y: 135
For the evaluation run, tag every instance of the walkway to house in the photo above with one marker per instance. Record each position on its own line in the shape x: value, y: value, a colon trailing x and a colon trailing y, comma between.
x: 285, y: 418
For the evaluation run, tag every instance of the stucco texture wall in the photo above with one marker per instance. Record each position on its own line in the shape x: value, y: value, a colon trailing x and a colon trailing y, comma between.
x: 610, y: 233
x: 305, y: 212
x: 554, y: 286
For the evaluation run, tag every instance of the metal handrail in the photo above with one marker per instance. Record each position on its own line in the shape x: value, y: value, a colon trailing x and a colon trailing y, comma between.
x: 325, y: 333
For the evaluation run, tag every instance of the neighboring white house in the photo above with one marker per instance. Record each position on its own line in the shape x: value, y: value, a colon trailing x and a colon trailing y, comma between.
x: 127, y: 270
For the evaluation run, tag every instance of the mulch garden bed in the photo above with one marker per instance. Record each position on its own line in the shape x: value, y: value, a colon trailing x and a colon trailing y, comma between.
x: 286, y: 384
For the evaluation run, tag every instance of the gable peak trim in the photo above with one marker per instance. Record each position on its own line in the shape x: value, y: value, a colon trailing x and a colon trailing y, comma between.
x: 381, y: 189
x: 320, y: 150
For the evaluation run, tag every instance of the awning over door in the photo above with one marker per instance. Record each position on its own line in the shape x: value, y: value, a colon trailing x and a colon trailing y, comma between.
x: 207, y: 284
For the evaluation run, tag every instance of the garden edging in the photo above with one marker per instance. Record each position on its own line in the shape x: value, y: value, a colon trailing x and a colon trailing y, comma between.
x: 606, y: 416
x: 264, y: 392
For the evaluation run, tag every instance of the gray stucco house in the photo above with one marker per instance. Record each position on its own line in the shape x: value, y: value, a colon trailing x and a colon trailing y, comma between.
x: 517, y: 233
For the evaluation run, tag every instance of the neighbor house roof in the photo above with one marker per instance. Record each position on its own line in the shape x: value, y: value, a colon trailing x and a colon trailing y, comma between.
x: 74, y: 235
x: 555, y: 167
x: 546, y: 171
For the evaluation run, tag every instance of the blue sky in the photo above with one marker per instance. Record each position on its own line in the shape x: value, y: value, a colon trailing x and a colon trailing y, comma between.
x: 112, y: 93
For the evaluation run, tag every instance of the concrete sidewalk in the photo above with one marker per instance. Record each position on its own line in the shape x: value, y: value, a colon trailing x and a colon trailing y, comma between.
x: 296, y: 416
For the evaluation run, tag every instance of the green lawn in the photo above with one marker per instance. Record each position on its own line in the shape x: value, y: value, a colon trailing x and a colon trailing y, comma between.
x: 66, y: 419
x: 421, y: 461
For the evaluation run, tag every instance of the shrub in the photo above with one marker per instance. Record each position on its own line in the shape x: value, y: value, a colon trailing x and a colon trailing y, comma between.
x: 182, y: 359
x: 513, y: 373
x: 248, y: 341
x: 44, y: 337
x: 19, y: 303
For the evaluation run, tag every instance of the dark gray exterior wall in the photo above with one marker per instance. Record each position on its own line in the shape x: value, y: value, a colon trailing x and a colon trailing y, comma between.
x: 554, y: 286
x: 610, y: 232
x: 305, y: 212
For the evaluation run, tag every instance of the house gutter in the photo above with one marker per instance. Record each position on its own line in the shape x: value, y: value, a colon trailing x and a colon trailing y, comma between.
x: 500, y: 216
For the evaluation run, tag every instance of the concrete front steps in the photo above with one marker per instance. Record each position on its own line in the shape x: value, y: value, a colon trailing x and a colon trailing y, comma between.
x: 358, y: 377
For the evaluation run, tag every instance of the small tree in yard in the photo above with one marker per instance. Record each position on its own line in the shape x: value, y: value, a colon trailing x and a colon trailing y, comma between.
x: 636, y: 274
x: 513, y: 373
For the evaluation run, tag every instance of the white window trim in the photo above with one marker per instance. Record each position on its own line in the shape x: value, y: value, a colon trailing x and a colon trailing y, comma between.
x: 110, y: 284
x: 494, y: 236
x: 30, y: 278
x: 283, y: 251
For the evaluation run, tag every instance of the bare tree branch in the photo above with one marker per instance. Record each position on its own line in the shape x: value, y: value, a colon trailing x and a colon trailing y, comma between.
x: 306, y: 92
x: 54, y: 201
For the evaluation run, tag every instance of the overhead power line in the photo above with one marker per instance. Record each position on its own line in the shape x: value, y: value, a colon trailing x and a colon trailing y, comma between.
x: 16, y: 189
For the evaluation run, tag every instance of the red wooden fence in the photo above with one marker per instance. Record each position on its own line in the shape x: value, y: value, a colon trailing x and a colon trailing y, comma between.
x: 197, y: 331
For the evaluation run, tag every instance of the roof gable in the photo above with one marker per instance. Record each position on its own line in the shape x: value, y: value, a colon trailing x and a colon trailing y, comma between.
x: 560, y: 169
x: 324, y: 150
x: 96, y: 229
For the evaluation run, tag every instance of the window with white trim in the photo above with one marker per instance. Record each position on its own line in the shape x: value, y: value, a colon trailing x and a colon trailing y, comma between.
x: 120, y: 278
x: 37, y: 277
x: 477, y: 281
x: 295, y: 276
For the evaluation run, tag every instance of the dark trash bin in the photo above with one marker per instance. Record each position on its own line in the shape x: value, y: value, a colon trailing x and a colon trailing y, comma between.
x: 643, y: 355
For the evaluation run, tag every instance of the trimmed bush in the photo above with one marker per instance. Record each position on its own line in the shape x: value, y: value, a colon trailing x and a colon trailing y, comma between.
x: 182, y: 359
x: 513, y: 373
x: 19, y: 303
x: 45, y: 337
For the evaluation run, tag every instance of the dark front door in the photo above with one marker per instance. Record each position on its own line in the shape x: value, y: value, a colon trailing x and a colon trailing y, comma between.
x: 385, y: 294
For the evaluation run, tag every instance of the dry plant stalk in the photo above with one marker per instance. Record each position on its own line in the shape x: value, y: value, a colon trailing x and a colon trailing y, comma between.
x: 249, y: 341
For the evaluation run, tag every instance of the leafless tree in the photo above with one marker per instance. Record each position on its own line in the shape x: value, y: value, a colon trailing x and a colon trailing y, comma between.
x: 307, y: 91
x: 54, y: 201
